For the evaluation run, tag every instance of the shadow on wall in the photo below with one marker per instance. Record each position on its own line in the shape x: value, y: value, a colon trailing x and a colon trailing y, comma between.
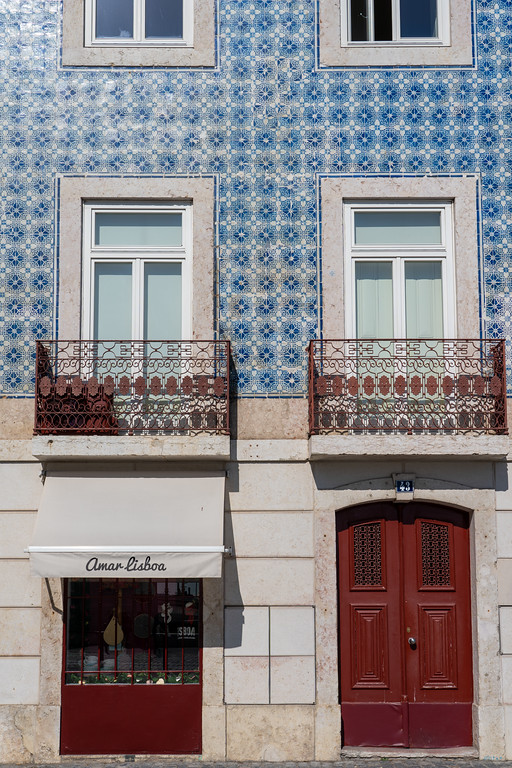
x: 431, y: 475
x: 232, y: 595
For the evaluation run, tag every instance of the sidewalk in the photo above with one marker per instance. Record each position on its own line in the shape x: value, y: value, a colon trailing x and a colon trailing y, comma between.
x: 348, y: 762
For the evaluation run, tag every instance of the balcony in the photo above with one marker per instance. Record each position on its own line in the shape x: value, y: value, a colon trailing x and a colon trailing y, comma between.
x: 377, y: 393
x: 103, y: 390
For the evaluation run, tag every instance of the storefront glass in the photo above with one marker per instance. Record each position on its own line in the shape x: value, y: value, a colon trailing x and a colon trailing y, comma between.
x: 133, y: 632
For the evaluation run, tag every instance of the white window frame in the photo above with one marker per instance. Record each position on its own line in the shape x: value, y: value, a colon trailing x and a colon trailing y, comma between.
x: 138, y: 40
x: 398, y: 255
x: 138, y: 256
x: 443, y: 27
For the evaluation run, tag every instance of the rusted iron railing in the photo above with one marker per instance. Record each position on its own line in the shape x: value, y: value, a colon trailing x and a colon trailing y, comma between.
x: 407, y: 386
x: 132, y: 387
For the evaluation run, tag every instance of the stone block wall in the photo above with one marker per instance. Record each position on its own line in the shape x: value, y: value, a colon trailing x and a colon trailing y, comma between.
x: 504, y: 544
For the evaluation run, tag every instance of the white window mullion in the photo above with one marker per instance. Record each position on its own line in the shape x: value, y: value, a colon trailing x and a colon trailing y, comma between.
x: 396, y: 19
x: 138, y: 300
x: 139, y: 12
x: 398, y: 298
x: 371, y: 16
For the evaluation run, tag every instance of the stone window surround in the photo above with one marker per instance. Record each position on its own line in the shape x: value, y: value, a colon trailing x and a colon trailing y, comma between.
x: 75, y: 190
x: 333, y: 53
x: 200, y: 54
x: 460, y: 191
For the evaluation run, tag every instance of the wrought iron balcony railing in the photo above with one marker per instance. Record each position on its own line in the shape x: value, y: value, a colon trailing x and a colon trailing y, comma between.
x: 132, y: 387
x: 407, y: 386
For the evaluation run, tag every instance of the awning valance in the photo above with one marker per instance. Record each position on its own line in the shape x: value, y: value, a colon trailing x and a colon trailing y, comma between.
x: 130, y: 525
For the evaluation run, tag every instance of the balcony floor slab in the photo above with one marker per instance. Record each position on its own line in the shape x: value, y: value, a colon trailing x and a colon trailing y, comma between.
x: 350, y: 446
x: 153, y: 447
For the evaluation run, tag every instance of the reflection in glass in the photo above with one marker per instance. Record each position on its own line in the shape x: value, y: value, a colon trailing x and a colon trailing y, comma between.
x: 112, y: 300
x: 138, y: 230
x: 359, y: 29
x: 164, y: 18
x: 397, y: 227
x: 162, y: 301
x: 382, y: 20
x: 424, y: 300
x: 374, y: 299
x: 114, y: 19
x: 418, y: 18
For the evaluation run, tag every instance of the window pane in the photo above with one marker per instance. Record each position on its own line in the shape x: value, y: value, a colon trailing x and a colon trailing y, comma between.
x: 382, y: 20
x: 418, y: 18
x: 374, y: 300
x: 398, y: 228
x: 132, y: 632
x: 424, y: 300
x: 114, y: 18
x: 358, y: 20
x: 112, y: 301
x: 138, y: 229
x: 164, y: 18
x: 162, y: 297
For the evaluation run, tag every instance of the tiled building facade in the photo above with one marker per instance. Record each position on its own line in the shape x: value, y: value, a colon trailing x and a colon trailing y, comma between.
x: 268, y: 134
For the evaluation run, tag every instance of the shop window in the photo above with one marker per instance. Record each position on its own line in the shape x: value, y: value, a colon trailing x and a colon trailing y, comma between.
x: 138, y: 33
x: 133, y: 632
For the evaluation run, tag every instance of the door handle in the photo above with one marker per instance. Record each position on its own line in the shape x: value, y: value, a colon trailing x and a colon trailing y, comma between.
x: 411, y: 641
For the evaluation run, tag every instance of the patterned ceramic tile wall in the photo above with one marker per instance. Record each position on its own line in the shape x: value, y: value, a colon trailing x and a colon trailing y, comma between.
x: 266, y: 121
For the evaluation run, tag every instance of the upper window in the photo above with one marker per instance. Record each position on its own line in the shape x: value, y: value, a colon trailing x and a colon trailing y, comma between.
x: 139, y: 33
x: 369, y: 33
x: 137, y: 265
x: 139, y: 22
x: 420, y: 22
x: 399, y: 259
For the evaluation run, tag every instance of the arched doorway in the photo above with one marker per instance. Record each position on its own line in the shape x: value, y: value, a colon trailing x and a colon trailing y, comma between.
x: 405, y: 625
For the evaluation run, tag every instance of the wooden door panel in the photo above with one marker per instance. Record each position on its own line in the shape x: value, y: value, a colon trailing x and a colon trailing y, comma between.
x: 437, y: 647
x: 370, y: 647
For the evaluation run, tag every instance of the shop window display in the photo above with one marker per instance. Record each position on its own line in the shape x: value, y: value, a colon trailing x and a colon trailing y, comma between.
x: 133, y: 632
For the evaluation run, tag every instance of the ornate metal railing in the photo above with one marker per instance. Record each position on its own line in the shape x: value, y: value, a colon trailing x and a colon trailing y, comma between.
x: 132, y: 387
x: 407, y: 386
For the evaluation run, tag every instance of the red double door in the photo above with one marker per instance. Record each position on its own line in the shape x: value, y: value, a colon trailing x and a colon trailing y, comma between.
x: 405, y: 626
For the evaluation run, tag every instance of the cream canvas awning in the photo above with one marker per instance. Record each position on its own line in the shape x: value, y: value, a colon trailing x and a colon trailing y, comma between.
x: 130, y: 525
